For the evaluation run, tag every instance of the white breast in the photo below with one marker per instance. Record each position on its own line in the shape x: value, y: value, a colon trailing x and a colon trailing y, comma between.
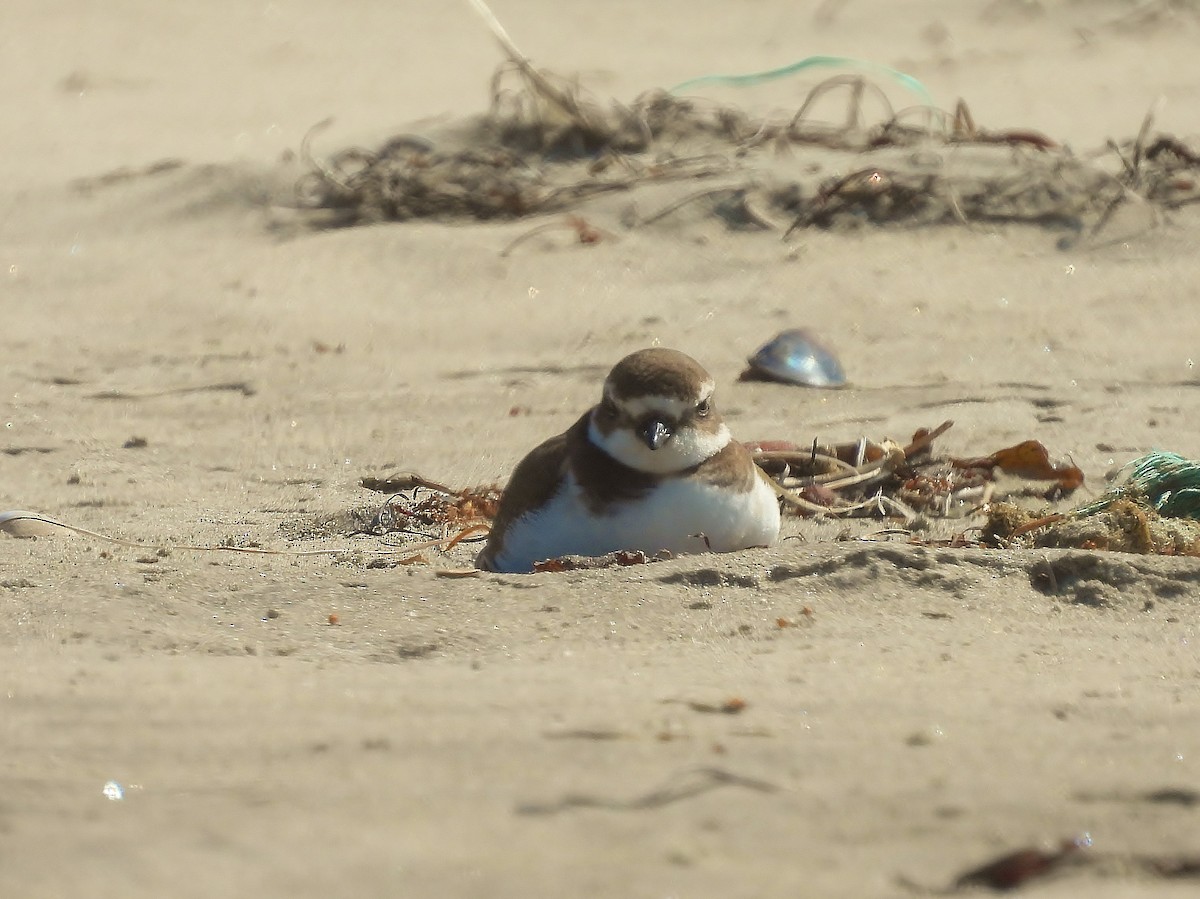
x: 671, y: 517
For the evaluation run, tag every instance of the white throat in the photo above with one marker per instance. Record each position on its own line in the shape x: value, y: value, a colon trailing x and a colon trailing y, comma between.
x: 687, y: 448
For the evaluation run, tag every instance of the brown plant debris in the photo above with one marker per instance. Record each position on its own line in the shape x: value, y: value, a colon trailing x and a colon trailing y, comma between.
x: 869, y: 478
x: 1125, y: 525
x: 1015, y: 869
x: 430, y: 505
x: 1028, y: 459
x: 1072, y: 857
x: 860, y: 478
x: 1154, y: 508
x: 546, y: 146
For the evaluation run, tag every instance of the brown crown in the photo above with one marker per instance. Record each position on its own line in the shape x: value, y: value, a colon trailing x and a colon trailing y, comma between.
x: 656, y: 372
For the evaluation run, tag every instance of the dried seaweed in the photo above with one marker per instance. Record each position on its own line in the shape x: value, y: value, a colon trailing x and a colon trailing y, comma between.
x: 428, y: 509
x: 856, y: 478
x: 884, y: 479
x: 1028, y: 459
x: 546, y: 146
x: 1155, y: 510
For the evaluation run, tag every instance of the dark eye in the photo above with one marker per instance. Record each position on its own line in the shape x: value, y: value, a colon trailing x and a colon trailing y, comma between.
x: 703, y: 408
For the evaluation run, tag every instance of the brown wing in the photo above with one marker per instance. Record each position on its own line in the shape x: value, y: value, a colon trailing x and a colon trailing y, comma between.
x: 733, y: 466
x: 533, y: 482
x: 540, y: 474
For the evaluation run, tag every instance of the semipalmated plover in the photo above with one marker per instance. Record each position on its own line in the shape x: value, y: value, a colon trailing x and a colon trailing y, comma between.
x: 652, y: 467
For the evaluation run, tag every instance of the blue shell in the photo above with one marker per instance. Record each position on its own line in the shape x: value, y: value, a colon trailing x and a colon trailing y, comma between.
x: 797, y: 356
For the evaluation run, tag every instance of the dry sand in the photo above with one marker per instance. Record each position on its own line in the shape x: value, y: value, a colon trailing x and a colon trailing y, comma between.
x: 543, y: 735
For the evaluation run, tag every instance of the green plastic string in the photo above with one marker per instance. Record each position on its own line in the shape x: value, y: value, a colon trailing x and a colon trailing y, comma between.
x: 906, y: 81
x: 1168, y: 482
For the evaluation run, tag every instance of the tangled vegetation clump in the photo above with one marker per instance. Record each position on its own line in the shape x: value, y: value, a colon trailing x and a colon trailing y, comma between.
x: 545, y: 146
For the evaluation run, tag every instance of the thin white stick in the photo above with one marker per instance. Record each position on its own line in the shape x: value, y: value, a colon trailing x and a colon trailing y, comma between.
x: 498, y: 30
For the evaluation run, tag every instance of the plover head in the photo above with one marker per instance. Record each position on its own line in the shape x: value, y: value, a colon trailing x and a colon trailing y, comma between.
x: 656, y: 414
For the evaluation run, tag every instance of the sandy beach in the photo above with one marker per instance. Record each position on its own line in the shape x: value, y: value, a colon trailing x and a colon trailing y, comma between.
x: 186, y: 360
